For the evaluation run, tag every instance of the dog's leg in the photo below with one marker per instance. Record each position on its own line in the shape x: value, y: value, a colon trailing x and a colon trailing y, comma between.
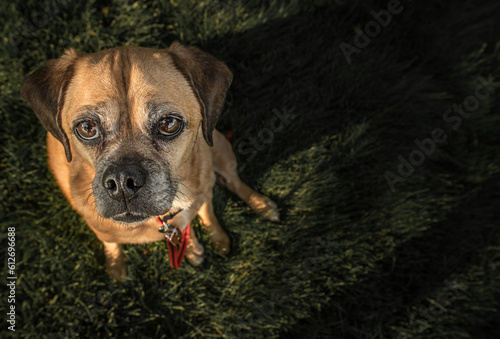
x: 116, y: 262
x: 217, y: 236
x: 225, y: 166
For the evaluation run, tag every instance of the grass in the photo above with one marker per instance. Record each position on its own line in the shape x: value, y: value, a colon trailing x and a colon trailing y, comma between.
x: 351, y: 258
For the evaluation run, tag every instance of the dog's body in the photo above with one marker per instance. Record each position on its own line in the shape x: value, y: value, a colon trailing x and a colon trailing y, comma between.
x: 132, y: 138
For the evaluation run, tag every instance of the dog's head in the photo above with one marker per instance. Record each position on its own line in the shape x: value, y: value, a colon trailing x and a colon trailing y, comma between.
x: 134, y: 115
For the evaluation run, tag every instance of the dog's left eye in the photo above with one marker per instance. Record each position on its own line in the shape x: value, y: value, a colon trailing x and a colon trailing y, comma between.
x: 87, y: 130
x: 170, y: 126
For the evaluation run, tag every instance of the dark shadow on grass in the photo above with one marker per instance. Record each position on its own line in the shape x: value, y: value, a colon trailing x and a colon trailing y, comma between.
x: 416, y: 269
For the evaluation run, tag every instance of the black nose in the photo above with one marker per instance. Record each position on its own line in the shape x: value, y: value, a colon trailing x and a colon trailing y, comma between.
x: 124, y: 182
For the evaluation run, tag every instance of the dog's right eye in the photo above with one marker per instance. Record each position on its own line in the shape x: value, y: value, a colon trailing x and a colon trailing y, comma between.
x: 87, y: 130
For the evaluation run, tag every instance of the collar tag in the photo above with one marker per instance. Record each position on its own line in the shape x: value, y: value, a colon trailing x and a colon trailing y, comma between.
x: 168, y: 231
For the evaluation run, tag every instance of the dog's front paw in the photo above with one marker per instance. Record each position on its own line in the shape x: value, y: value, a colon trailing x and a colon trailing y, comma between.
x: 195, y: 253
x: 195, y: 259
x: 117, y: 271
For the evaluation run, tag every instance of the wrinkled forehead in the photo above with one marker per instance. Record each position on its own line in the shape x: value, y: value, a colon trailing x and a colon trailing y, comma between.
x: 129, y: 80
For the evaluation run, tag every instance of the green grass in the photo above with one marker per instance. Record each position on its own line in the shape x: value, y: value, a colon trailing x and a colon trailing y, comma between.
x: 351, y: 258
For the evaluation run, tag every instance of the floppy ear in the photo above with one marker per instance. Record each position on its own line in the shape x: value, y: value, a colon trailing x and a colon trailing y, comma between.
x: 45, y: 90
x: 208, y: 77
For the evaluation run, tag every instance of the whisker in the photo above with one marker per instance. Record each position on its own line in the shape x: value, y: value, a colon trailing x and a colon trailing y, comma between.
x: 88, y: 197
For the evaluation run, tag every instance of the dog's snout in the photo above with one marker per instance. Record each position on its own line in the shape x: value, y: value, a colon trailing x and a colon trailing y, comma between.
x: 124, y: 182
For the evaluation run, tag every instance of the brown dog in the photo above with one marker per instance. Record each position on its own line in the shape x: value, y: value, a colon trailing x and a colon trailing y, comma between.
x: 130, y: 136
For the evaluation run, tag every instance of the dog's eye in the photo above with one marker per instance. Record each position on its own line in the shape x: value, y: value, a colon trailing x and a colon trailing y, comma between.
x: 87, y: 130
x: 170, y: 126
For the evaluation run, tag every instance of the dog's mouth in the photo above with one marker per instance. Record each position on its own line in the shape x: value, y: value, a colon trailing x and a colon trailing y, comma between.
x: 135, y: 218
x: 139, y: 213
x: 130, y: 218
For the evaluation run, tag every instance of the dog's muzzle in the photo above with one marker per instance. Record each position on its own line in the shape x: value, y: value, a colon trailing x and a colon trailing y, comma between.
x: 133, y: 190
